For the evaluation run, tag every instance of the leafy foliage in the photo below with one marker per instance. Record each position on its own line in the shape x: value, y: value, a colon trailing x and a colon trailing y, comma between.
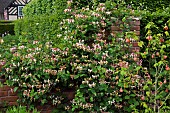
x: 94, y: 62
x: 20, y: 109
x: 44, y: 7
x: 150, y: 5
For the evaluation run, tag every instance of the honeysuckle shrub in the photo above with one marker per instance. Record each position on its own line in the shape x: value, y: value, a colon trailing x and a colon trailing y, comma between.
x: 33, y: 67
x: 95, y: 62
x: 37, y: 68
x: 112, y: 81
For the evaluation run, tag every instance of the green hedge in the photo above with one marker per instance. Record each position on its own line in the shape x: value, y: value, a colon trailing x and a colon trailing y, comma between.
x: 6, y: 26
x: 38, y: 27
x: 42, y: 19
x: 46, y: 7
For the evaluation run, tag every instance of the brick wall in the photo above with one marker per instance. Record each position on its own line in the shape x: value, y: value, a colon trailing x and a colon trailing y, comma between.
x: 9, y: 97
x: 134, y: 26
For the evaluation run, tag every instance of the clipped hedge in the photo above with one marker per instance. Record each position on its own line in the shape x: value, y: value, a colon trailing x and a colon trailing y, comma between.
x: 42, y: 19
x: 46, y: 7
x: 6, y: 27
x: 38, y: 27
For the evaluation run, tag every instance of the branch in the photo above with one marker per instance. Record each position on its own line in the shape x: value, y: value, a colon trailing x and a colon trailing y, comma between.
x: 164, y: 100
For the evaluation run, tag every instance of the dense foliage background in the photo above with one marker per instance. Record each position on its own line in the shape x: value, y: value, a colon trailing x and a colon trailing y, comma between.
x: 68, y: 46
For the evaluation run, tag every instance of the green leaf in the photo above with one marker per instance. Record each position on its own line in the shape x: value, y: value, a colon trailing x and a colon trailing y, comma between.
x: 93, y: 92
x: 166, y: 33
x: 118, y: 99
x: 148, y: 93
x: 124, y: 19
x: 120, y: 84
x: 149, y: 82
x: 145, y: 87
x: 140, y: 44
x: 163, y: 46
x: 138, y: 68
x: 39, y: 76
x: 136, y: 103
x: 157, y: 97
x: 132, y: 95
x: 43, y: 101
x: 91, y: 99
x: 76, y: 76
x: 123, y: 72
x: 127, y: 97
x: 82, y: 86
x: 144, y: 105
x: 15, y: 89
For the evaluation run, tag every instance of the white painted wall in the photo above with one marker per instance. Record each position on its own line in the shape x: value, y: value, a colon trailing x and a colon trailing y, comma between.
x: 12, y: 17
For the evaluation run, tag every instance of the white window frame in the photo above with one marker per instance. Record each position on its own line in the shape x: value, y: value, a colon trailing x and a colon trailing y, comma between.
x: 20, y: 9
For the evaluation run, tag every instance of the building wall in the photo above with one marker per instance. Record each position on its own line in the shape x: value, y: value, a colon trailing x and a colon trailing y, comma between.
x: 12, y: 17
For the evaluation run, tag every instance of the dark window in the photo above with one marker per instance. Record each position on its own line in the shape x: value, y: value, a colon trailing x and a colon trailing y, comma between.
x: 20, y: 13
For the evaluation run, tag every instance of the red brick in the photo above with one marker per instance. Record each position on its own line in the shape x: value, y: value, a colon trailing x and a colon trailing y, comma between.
x: 137, y: 28
x: 115, y: 28
x: 135, y: 44
x: 137, y: 33
x: 9, y: 98
x: 134, y: 49
x: 115, y: 33
x: 69, y: 94
x: 46, y: 111
x: 49, y: 111
x: 2, y: 80
x: 39, y: 107
x: 3, y: 93
x: 11, y: 93
x: 43, y: 111
x: 117, y: 23
x: 12, y: 103
x: 44, y: 107
x: 135, y: 23
x: 5, y: 88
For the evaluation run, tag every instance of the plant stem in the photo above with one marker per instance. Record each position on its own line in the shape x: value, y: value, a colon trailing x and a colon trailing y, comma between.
x: 156, y: 80
x: 164, y: 101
